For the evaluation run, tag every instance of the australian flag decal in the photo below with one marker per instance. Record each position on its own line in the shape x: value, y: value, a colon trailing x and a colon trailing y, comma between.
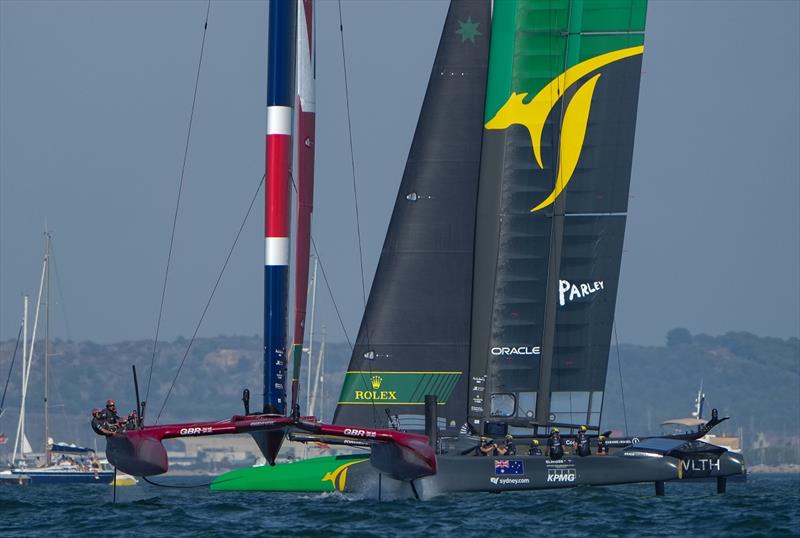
x: 504, y: 467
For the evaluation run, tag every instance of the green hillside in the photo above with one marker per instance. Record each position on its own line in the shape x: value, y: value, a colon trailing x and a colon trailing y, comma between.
x: 754, y: 379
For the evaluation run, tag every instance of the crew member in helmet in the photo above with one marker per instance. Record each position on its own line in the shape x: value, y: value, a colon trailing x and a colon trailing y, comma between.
x: 132, y: 421
x: 98, y: 424
x: 582, y: 443
x: 110, y: 417
x: 602, y: 449
x: 534, y: 450
x: 508, y: 448
x: 555, y: 448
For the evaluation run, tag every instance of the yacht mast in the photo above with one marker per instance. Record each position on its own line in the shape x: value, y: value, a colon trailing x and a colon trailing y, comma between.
x: 18, y: 441
x: 310, y: 349
x: 46, y: 450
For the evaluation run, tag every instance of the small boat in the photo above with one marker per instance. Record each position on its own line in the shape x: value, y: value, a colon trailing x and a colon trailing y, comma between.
x: 696, y: 421
x: 58, y: 463
x: 70, y: 464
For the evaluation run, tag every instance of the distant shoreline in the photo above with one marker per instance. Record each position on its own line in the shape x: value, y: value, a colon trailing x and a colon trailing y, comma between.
x: 786, y: 468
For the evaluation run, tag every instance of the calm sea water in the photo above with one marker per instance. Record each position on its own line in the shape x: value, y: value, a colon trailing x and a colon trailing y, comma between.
x: 766, y: 505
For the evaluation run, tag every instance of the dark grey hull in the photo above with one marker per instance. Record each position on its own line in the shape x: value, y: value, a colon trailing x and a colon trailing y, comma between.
x: 461, y: 474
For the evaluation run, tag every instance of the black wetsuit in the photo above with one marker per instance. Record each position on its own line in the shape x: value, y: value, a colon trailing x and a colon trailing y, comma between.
x: 555, y: 447
x: 97, y: 424
x: 110, y: 419
x: 479, y: 452
x: 601, y: 447
x: 511, y: 450
x: 582, y: 445
x: 535, y: 451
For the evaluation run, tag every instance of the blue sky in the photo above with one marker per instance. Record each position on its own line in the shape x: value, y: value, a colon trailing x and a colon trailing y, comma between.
x: 94, y: 106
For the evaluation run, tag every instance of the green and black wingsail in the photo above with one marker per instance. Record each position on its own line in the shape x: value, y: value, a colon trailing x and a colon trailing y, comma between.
x: 498, y: 279
x: 555, y: 171
x: 415, y: 334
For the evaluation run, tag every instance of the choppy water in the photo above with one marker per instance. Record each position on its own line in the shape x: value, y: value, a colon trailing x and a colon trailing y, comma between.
x: 766, y: 505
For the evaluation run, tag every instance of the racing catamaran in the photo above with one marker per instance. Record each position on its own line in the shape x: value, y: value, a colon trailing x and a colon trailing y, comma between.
x: 492, y: 306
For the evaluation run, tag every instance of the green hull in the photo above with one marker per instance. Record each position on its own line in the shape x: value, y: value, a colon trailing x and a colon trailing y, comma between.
x: 328, y: 473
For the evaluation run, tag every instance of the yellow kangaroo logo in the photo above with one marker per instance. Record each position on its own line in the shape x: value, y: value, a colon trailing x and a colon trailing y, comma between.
x: 533, y: 115
x: 338, y: 476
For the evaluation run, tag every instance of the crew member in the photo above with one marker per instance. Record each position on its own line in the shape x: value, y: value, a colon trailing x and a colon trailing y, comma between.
x: 602, y: 449
x: 534, y: 450
x: 508, y: 445
x: 486, y: 447
x: 582, y: 443
x: 555, y: 448
x: 508, y: 448
x: 110, y: 417
x: 98, y: 424
x: 132, y: 421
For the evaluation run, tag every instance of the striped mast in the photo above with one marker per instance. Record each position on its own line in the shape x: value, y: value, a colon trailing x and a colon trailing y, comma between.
x: 304, y: 142
x: 280, y: 100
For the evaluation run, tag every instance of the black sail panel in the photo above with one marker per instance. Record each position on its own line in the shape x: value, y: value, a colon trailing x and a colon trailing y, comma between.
x: 586, y: 298
x: 415, y: 334
x: 553, y: 194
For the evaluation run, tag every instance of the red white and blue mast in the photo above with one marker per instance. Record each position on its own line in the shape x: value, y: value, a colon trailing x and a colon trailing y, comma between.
x: 280, y: 101
x: 306, y: 119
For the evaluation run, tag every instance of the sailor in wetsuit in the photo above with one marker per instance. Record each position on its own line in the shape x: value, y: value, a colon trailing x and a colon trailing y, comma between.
x: 486, y: 448
x: 98, y: 424
x: 602, y: 449
x: 508, y: 448
x: 555, y: 448
x: 110, y: 417
x: 582, y: 443
x: 132, y: 421
x: 534, y: 450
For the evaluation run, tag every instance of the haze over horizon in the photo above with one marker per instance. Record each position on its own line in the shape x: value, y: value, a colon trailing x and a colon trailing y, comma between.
x: 94, y: 107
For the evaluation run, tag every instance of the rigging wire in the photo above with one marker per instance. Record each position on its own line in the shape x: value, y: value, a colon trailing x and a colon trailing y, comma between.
x: 177, y: 202
x: 324, y: 276
x: 352, y: 157
x: 621, y: 386
x: 355, y: 200
x: 10, y: 369
x: 211, y: 295
x: 330, y: 290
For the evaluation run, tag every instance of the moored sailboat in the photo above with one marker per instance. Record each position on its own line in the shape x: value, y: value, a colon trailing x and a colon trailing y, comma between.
x: 57, y: 463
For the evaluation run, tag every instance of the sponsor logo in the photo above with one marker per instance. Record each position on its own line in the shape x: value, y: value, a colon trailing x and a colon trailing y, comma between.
x: 701, y: 464
x: 568, y: 291
x: 338, y: 476
x: 512, y: 351
x: 375, y: 394
x: 506, y: 480
x: 479, y: 379
x: 406, y: 388
x: 476, y: 409
x: 561, y: 475
x: 504, y: 467
x: 359, y: 433
x: 478, y: 389
x: 195, y: 431
x: 575, y: 118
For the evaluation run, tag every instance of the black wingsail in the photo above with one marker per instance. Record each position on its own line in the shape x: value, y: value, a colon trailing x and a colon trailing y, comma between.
x: 556, y: 161
x: 415, y: 334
